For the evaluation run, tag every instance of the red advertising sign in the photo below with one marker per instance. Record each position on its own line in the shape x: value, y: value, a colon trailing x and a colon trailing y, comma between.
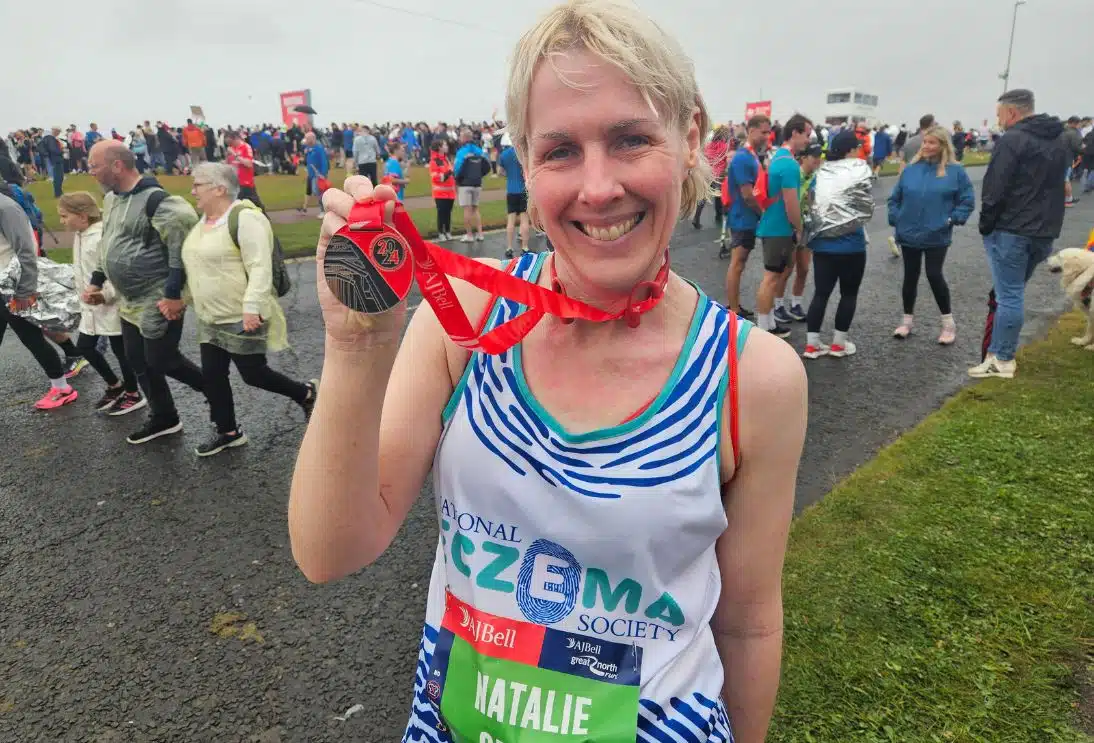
x: 757, y: 107
x: 291, y: 99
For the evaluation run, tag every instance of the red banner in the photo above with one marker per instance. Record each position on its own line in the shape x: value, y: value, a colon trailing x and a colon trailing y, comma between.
x: 291, y: 99
x: 757, y: 107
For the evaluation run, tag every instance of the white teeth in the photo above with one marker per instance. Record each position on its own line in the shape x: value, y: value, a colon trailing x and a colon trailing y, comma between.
x: 608, y: 234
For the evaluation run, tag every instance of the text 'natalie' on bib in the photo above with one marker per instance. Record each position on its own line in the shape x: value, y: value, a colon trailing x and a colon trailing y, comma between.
x: 370, y: 266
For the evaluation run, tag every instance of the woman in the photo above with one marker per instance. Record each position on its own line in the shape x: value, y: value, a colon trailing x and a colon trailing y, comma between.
x: 589, y: 447
x: 933, y: 194
x: 394, y: 168
x: 444, y: 186
x: 839, y: 259
x: 228, y: 260
x: 79, y: 213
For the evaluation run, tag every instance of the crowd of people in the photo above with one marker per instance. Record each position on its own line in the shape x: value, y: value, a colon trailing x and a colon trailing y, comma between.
x: 768, y: 187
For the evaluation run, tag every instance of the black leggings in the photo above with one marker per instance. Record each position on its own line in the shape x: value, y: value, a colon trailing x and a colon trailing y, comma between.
x: 828, y: 269
x: 913, y: 259
x: 155, y: 359
x: 34, y: 340
x: 253, y: 369
x: 87, y: 345
x: 444, y: 215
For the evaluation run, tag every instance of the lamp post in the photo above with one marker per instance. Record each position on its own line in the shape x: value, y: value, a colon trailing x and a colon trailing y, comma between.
x: 1010, y: 49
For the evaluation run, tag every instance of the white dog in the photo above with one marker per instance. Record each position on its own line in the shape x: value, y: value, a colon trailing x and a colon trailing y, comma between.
x: 1076, y: 267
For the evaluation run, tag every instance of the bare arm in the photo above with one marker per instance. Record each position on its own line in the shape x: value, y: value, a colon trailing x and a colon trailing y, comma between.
x: 793, y: 209
x: 750, y: 198
x: 375, y: 428
x: 759, y: 501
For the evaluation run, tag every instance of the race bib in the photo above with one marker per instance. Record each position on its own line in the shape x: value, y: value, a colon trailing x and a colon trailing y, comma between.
x: 498, y: 680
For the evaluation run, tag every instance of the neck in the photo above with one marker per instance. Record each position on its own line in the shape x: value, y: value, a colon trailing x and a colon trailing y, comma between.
x: 609, y: 299
x: 216, y: 210
x: 128, y: 181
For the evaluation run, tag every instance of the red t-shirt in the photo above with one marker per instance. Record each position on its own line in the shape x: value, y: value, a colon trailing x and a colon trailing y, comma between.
x: 245, y: 174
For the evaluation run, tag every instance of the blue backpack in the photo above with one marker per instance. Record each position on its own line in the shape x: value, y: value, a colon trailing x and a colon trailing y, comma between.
x: 26, y: 200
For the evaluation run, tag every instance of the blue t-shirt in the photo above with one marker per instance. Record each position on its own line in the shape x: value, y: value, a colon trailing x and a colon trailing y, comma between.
x: 784, y: 172
x: 394, y: 168
x: 514, y: 174
x: 744, y: 169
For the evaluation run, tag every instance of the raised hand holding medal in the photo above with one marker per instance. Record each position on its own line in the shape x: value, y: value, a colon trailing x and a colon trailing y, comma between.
x: 346, y: 327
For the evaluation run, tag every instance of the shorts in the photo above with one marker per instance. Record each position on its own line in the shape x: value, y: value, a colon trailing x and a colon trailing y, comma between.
x: 777, y: 253
x: 743, y: 239
x: 469, y: 195
x: 1067, y: 176
x: 516, y: 203
x: 879, y: 161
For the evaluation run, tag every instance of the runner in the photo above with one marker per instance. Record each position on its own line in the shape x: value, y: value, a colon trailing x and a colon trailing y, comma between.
x: 516, y: 196
x: 744, y: 172
x: 563, y: 598
x: 17, y: 241
x: 837, y: 260
x: 809, y: 161
x: 780, y: 227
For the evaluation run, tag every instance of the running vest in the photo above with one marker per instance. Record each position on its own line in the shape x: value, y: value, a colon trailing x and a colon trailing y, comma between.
x: 564, y: 605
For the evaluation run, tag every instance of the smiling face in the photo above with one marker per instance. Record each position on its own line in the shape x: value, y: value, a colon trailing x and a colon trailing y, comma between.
x: 605, y: 171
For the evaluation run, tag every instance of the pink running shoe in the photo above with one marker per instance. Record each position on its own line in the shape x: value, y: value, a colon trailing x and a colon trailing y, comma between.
x: 56, y: 398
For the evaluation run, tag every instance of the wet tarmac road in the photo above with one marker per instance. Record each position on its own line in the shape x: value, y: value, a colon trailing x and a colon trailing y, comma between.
x: 147, y: 595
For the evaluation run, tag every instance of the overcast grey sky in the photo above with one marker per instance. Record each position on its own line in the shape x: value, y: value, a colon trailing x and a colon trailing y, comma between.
x: 118, y: 62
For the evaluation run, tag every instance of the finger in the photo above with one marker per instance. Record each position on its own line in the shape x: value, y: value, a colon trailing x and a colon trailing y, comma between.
x: 359, y: 186
x: 337, y: 201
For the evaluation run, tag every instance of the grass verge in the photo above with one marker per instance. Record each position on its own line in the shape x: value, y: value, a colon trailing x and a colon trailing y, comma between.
x: 278, y: 192
x: 298, y: 238
x: 945, y: 591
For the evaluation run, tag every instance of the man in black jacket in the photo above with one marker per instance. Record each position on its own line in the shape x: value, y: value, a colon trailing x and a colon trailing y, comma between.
x: 1022, y: 212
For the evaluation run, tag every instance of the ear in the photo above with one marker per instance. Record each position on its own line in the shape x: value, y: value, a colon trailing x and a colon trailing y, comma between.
x: 694, y: 137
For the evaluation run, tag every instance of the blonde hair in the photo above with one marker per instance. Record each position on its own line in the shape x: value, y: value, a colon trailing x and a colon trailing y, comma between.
x: 81, y: 203
x: 621, y: 35
x: 946, y: 156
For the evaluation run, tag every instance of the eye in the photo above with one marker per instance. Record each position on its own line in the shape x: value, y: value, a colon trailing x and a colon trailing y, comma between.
x: 559, y: 153
x: 630, y: 141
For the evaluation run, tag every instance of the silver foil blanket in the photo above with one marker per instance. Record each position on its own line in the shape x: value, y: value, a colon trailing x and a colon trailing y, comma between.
x: 58, y: 306
x: 842, y: 201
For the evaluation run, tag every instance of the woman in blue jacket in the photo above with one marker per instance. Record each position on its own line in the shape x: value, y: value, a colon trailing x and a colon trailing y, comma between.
x: 934, y: 193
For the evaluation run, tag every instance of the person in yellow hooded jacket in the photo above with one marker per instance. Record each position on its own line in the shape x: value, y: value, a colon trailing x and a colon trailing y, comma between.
x: 228, y: 257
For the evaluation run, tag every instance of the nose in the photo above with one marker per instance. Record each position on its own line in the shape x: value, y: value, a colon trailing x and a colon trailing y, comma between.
x: 600, y: 184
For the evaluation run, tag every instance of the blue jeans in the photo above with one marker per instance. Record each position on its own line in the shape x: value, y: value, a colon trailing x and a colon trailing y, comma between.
x: 1012, y: 259
x: 57, y: 172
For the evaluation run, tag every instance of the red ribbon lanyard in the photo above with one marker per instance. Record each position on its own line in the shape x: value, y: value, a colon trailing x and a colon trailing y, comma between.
x: 370, y: 267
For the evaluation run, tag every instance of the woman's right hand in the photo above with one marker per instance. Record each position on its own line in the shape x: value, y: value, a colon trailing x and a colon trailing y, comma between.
x: 347, y: 329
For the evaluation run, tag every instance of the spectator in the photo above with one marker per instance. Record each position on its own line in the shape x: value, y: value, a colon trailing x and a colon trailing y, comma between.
x: 54, y: 159
x: 365, y: 151
x: 470, y: 166
x: 516, y: 196
x: 317, y: 165
x: 194, y: 138
x: 241, y: 156
x: 1073, y: 141
x: 230, y: 279
x: 1021, y: 213
x: 143, y: 229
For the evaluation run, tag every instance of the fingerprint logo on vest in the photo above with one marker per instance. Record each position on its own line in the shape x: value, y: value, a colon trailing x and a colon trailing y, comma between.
x: 548, y: 582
